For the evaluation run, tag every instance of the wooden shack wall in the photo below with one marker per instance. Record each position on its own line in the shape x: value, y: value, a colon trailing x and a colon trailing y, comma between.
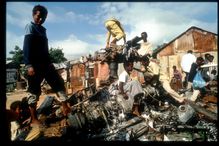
x: 196, y: 40
x: 169, y: 50
x: 100, y: 73
x: 184, y: 43
x: 77, y: 77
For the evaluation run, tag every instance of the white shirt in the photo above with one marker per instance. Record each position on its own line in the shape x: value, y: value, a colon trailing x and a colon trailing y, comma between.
x: 14, y: 130
x: 146, y: 48
x: 187, y: 61
x: 124, y: 77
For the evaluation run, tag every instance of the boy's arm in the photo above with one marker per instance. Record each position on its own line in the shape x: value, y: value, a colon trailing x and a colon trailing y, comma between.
x: 26, y: 49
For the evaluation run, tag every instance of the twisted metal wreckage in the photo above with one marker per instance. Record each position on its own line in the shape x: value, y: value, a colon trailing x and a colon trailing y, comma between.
x: 100, y: 114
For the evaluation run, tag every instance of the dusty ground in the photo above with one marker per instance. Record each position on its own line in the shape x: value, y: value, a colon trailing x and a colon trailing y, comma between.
x: 13, y: 96
x: 19, y: 94
x: 53, y: 130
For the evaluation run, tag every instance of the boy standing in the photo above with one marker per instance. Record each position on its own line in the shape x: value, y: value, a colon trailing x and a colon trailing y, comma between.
x: 38, y: 63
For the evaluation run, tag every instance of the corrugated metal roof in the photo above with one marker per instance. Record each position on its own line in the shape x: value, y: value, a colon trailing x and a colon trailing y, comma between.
x: 190, y: 29
x: 59, y: 66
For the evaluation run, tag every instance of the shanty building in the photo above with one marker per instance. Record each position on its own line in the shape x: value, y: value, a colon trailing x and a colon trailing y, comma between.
x: 196, y: 39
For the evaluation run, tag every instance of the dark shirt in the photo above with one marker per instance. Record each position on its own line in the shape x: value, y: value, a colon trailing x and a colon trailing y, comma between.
x: 35, y: 45
x: 192, y: 72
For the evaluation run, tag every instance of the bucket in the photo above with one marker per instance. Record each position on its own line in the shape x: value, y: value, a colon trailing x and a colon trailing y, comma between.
x: 21, y: 85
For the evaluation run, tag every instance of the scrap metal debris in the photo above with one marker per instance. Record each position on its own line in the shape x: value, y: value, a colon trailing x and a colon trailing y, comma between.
x: 102, y: 116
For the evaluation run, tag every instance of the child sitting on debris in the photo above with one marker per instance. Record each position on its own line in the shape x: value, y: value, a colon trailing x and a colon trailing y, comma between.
x: 128, y: 88
x: 19, y: 126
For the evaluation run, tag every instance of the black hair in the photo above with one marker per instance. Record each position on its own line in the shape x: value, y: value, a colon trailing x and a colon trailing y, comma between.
x: 211, y: 56
x: 144, y: 33
x: 207, y: 55
x: 40, y: 8
x: 190, y: 51
x: 15, y: 105
x: 200, y: 59
x: 127, y: 62
x: 145, y: 58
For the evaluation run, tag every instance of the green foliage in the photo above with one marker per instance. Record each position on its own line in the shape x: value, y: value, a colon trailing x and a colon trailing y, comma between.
x: 56, y: 55
x: 17, y: 57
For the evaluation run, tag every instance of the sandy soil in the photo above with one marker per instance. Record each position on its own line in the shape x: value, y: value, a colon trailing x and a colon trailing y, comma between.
x: 19, y: 94
x: 53, y: 130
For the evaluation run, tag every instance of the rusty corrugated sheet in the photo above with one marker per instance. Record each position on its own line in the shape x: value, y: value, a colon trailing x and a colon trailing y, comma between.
x: 198, y: 40
x: 204, y: 42
x: 194, y: 38
x: 77, y: 77
x: 103, y: 71
x: 169, y: 50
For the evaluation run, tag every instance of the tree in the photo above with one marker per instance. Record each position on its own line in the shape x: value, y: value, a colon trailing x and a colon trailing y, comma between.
x: 17, y: 57
x: 56, y: 55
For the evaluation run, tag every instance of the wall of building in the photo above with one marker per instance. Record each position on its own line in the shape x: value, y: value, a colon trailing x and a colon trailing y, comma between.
x: 200, y: 42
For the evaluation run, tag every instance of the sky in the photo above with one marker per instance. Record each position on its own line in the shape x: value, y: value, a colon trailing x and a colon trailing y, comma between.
x: 78, y: 27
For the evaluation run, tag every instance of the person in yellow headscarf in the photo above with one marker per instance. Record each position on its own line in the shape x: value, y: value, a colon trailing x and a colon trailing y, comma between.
x: 115, y: 30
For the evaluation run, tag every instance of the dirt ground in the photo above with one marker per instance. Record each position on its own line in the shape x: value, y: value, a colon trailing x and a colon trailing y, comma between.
x: 54, y: 129
x: 19, y: 94
x: 13, y: 96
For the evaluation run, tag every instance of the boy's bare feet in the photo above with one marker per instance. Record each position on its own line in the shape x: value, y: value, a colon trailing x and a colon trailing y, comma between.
x: 66, y: 109
x: 135, y: 110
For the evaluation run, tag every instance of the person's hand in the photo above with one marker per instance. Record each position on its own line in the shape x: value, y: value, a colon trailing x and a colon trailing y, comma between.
x: 207, y: 84
x: 182, y: 100
x: 64, y: 122
x: 107, y: 45
x: 30, y: 71
x: 125, y: 96
x: 65, y: 108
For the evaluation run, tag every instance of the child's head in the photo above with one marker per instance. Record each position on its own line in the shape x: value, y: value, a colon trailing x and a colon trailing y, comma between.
x: 21, y: 108
x: 128, y: 65
x: 207, y: 55
x: 200, y: 61
x: 15, y: 110
x: 39, y: 14
x: 211, y: 58
x: 16, y: 106
x: 174, y: 67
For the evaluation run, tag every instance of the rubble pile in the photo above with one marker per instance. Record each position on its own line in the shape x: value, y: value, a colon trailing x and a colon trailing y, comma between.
x: 104, y: 116
x: 101, y: 114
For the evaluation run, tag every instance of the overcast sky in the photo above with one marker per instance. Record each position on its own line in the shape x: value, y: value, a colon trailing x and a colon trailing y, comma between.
x: 78, y: 27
